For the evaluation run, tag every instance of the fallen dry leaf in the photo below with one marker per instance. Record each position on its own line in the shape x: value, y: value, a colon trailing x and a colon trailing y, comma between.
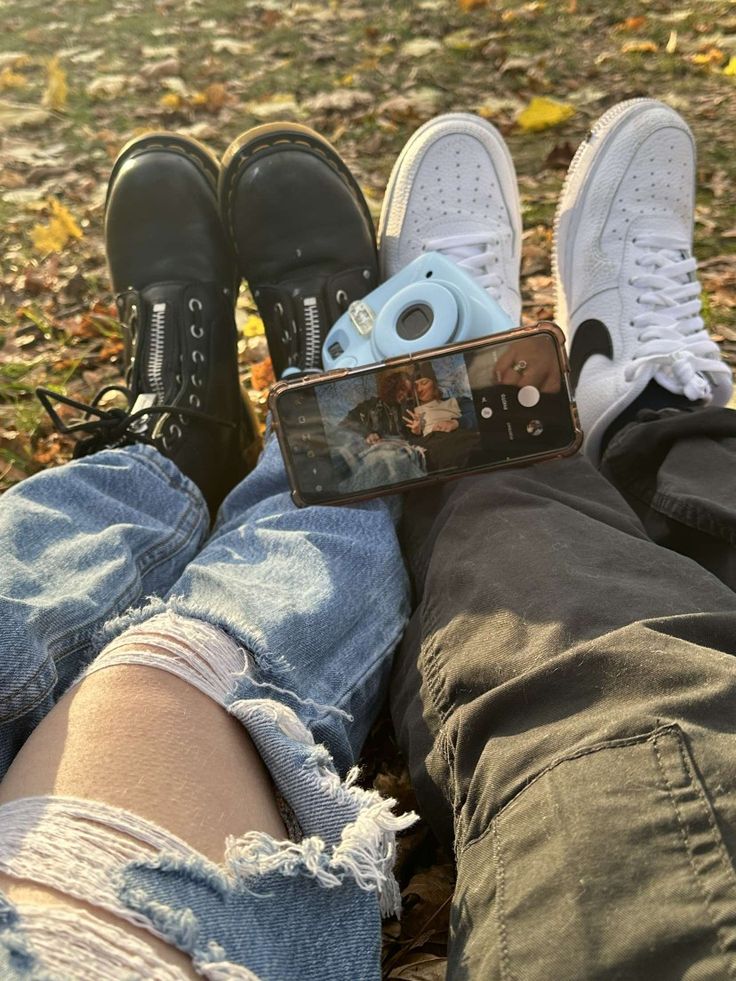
x: 541, y: 113
x: 159, y: 69
x: 53, y: 236
x: 11, y: 80
x: 253, y: 327
x: 339, y: 100
x: 639, y: 47
x: 230, y: 46
x: 420, y: 47
x: 262, y: 375
x: 416, y: 104
x: 14, y: 115
x: 278, y: 106
x: 713, y: 56
x: 57, y: 90
x: 632, y: 23
x: 107, y: 86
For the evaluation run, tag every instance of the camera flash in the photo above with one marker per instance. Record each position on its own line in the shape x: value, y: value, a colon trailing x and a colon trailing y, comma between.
x: 362, y: 317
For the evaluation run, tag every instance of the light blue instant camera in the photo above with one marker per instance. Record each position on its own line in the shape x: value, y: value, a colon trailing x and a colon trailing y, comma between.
x: 430, y: 303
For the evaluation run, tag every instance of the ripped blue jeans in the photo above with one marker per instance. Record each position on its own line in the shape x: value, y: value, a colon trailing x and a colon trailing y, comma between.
x: 300, y: 611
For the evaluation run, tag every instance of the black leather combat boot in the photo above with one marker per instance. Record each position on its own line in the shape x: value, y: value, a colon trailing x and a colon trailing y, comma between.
x: 175, y: 281
x: 302, y: 234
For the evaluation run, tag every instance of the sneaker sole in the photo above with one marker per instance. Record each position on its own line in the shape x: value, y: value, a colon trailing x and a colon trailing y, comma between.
x: 438, y: 123
x: 243, y: 149
x: 581, y: 170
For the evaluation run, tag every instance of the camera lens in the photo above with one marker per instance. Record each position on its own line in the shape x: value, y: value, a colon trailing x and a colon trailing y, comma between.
x: 415, y: 321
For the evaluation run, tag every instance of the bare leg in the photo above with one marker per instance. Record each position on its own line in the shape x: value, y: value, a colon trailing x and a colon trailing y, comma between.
x: 142, y: 739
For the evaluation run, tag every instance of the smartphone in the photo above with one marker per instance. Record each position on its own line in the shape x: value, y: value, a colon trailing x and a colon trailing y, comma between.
x: 352, y: 434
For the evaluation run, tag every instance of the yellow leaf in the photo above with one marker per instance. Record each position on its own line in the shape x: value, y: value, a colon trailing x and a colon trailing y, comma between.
x: 730, y: 68
x: 253, y: 326
x: 713, y: 56
x: 64, y: 216
x: 49, y: 238
x: 53, y: 236
x: 542, y: 113
x: 11, y: 80
x: 57, y: 90
x: 467, y: 5
x: 639, y: 47
x: 172, y: 100
x: 671, y: 43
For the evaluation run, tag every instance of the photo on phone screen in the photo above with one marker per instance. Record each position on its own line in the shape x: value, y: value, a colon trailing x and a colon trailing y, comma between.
x: 452, y: 413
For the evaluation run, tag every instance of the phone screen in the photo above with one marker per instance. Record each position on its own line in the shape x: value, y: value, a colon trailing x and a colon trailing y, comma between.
x: 393, y: 426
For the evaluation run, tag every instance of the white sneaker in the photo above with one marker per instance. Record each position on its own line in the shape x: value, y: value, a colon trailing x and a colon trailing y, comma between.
x: 627, y: 293
x: 453, y: 190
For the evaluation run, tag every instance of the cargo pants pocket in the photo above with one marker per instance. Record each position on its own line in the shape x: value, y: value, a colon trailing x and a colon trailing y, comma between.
x: 609, y: 864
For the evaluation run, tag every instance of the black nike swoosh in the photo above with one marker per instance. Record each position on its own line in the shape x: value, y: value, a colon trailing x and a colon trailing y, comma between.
x: 591, y: 337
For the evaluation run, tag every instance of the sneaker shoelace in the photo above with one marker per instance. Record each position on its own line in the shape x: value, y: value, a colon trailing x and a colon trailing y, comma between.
x: 472, y: 252
x: 674, y: 347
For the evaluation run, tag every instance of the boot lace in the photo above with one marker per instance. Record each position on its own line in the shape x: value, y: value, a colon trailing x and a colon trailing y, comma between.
x: 673, y: 345
x: 116, y: 427
x: 472, y: 252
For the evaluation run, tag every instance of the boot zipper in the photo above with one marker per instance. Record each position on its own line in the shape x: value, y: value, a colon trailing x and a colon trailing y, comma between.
x: 155, y: 359
x: 312, y: 334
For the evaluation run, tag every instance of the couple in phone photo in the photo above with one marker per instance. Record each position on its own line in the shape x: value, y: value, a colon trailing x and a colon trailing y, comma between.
x: 412, y: 426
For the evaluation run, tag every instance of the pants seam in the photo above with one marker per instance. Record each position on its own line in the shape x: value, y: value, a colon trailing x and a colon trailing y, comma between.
x: 670, y: 507
x: 719, y: 946
x: 433, y: 672
x: 17, y: 715
x: 500, y: 898
x: 690, y: 515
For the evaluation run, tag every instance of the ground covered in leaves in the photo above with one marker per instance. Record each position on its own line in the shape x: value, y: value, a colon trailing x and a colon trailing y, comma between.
x: 78, y: 79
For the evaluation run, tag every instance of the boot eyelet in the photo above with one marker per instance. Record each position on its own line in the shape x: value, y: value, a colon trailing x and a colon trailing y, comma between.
x: 198, y: 357
x: 341, y: 298
x: 195, y: 304
x: 195, y: 400
x: 195, y: 331
x: 196, y: 381
x: 175, y: 431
